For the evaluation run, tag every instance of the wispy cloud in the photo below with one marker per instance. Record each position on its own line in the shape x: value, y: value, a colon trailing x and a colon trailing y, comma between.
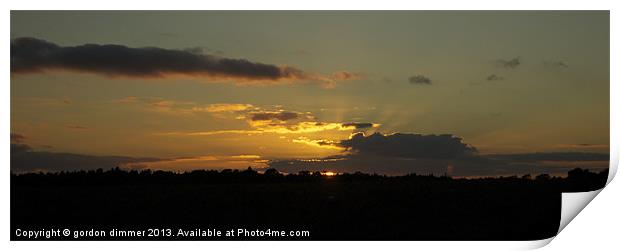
x: 209, y: 133
x: 279, y: 121
x: 43, y: 102
x: 322, y: 143
x: 127, y: 100
x: 223, y: 107
x: 160, y: 105
x: 17, y: 138
x: 76, y: 127
x: 555, y: 63
x: 509, y: 63
x: 494, y: 77
x: 279, y: 115
x: 305, y: 127
x: 583, y: 146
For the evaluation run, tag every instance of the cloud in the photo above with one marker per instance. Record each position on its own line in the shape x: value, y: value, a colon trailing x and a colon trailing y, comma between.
x: 494, y: 77
x: 359, y: 125
x: 254, y: 115
x: 259, y: 120
x: 209, y: 133
x: 510, y: 63
x: 24, y: 159
x: 282, y: 116
x: 460, y: 167
x: 331, y: 80
x: 43, y: 102
x: 17, y: 138
x: 284, y: 122
x: 176, y: 107
x: 32, y: 55
x: 35, y: 55
x: 153, y: 104
x: 223, y: 107
x: 420, y: 80
x: 277, y: 128
x: 345, y: 75
x: 583, y: 146
x: 407, y: 145
x: 304, y: 127
x: 323, y: 143
x: 76, y: 127
x: 391, y: 154
x: 127, y: 100
x: 18, y: 147
x: 404, y: 153
x: 204, y: 50
x: 17, y: 143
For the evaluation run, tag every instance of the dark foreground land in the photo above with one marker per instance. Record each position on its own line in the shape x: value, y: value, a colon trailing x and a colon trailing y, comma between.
x: 343, y: 207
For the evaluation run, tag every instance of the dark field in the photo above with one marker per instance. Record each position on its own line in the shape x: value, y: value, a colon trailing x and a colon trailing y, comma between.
x: 344, y: 207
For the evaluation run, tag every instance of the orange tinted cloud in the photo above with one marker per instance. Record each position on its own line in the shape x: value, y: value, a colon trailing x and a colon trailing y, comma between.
x: 290, y: 128
x: 322, y: 143
x: 258, y: 119
x: 223, y: 107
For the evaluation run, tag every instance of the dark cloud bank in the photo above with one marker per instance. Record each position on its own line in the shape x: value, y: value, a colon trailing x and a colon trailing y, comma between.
x: 30, y: 55
x: 393, y: 154
x: 403, y: 153
x: 408, y: 145
x: 25, y: 159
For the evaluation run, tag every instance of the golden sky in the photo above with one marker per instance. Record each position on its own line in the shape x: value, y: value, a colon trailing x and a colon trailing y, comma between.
x: 231, y: 89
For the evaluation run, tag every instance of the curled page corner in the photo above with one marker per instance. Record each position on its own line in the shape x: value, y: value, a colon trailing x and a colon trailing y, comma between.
x: 531, y: 245
x: 573, y: 203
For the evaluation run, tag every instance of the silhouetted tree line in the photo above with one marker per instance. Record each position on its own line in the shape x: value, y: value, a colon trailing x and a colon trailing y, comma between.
x: 576, y: 180
x: 348, y: 206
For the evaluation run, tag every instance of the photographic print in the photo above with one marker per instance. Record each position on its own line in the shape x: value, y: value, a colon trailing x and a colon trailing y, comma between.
x: 304, y: 125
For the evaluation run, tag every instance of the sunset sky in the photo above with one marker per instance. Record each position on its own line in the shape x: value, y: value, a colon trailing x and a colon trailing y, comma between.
x: 187, y: 90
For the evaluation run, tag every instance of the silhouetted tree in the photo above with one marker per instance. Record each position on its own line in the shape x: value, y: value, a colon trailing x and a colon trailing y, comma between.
x: 543, y: 177
x: 272, y: 172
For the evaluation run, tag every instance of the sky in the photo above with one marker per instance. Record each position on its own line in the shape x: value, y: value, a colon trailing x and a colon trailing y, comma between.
x: 458, y: 92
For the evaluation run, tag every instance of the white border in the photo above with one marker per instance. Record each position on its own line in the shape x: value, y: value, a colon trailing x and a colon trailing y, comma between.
x: 584, y: 234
